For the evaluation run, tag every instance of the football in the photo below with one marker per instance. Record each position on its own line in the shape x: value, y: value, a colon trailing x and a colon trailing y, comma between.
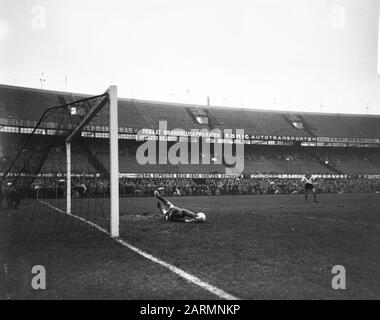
x: 201, y: 217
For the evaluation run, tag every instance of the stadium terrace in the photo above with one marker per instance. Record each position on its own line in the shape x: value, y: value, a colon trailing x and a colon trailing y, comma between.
x: 276, y: 142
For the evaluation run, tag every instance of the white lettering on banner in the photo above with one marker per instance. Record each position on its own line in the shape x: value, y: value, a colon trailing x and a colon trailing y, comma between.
x: 25, y: 125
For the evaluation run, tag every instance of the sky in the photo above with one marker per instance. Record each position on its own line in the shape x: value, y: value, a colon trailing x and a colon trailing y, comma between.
x: 297, y: 55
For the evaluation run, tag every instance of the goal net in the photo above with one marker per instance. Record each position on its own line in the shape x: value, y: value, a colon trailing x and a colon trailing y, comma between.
x: 63, y: 179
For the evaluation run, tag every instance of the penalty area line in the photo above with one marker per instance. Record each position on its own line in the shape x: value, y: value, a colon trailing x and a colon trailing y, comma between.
x: 181, y: 273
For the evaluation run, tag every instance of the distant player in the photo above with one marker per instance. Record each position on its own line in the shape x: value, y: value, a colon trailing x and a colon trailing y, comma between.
x: 309, y: 181
x: 176, y: 214
x: 12, y: 197
x: 176, y: 192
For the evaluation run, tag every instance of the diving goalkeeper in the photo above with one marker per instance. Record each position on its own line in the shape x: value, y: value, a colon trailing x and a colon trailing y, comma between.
x: 176, y: 214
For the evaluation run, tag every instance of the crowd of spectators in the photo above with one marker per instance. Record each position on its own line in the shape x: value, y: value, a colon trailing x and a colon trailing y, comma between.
x: 99, y: 187
x: 244, y: 186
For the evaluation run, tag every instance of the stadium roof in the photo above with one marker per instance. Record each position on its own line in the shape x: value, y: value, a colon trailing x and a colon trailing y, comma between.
x: 28, y: 104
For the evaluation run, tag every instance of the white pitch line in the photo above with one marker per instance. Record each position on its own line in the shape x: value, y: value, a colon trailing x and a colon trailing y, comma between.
x: 183, y: 274
x: 76, y: 217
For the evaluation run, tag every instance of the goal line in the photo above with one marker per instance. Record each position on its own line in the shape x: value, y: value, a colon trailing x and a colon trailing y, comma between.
x: 183, y: 274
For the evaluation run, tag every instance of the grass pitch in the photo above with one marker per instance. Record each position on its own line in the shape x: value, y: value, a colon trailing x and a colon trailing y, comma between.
x: 253, y: 247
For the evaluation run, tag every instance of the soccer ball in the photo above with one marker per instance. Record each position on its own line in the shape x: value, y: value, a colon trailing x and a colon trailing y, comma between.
x: 201, y: 217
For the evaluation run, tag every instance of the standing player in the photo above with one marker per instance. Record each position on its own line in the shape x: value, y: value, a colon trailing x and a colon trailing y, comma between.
x: 309, y: 180
x: 176, y: 214
x: 12, y: 197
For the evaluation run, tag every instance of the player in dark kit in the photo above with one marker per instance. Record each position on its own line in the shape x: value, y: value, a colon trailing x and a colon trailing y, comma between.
x: 176, y: 214
x: 12, y: 197
x: 309, y: 180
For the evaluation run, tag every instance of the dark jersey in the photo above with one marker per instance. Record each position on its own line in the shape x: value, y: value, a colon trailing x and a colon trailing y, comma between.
x: 13, y: 198
x: 174, y: 214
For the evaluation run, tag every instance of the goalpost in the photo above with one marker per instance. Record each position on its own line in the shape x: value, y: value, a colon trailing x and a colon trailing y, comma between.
x: 114, y: 157
x: 66, y: 172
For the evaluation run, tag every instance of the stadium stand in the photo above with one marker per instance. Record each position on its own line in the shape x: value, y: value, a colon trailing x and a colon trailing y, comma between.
x: 25, y: 104
x: 28, y: 104
x: 278, y: 159
x: 351, y: 160
x: 358, y: 126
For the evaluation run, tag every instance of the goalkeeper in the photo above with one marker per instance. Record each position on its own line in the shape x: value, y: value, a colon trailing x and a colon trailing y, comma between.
x: 176, y: 214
